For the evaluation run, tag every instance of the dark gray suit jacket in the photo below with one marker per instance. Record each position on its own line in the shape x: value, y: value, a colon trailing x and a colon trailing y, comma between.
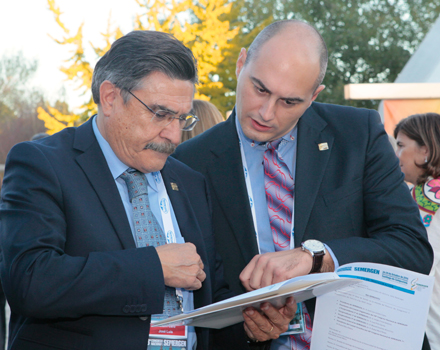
x: 351, y: 196
x: 70, y: 268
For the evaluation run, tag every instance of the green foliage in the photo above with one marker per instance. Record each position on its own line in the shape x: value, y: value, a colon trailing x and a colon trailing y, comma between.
x: 368, y: 41
x: 15, y: 72
x: 18, y: 102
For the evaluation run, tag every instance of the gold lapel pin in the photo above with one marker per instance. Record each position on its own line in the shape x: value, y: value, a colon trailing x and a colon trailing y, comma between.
x: 323, y: 146
x: 174, y: 186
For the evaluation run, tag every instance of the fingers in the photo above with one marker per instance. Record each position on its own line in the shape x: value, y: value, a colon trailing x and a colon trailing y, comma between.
x: 269, y: 268
x: 256, y: 326
x: 271, y: 323
x: 201, y: 275
x: 182, y: 266
x: 258, y: 273
x: 289, y: 310
x: 280, y: 318
x: 247, y: 272
x: 259, y: 326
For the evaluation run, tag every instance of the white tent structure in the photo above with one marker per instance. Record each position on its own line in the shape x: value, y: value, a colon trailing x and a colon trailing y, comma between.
x: 416, y: 89
x: 424, y: 64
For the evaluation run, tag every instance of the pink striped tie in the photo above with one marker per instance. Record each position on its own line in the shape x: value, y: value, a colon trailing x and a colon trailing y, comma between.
x: 279, y: 187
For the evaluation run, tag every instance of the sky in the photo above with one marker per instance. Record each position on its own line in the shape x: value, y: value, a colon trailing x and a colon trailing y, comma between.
x: 25, y: 25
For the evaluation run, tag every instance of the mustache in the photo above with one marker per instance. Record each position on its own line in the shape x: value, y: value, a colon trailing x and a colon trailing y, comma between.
x: 165, y: 147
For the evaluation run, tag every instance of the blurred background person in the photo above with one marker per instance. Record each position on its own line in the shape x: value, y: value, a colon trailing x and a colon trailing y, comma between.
x: 39, y: 136
x: 208, y: 115
x: 418, y: 149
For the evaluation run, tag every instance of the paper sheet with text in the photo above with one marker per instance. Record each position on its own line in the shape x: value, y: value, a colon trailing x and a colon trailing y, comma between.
x: 388, y: 310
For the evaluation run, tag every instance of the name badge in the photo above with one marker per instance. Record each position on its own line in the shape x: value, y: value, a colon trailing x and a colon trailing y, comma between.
x: 168, y: 337
x: 297, y: 325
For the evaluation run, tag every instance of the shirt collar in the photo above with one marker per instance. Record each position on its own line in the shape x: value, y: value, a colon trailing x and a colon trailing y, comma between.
x: 289, y: 137
x: 116, y: 166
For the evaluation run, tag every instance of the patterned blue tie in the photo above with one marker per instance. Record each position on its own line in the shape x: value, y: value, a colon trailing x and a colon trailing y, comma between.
x: 146, y: 227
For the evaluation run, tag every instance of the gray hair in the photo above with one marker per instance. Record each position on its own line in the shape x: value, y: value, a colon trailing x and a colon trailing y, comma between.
x: 273, y: 29
x: 136, y: 55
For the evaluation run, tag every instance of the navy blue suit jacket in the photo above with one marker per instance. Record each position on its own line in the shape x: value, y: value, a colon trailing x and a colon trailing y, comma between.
x: 351, y: 196
x: 70, y: 268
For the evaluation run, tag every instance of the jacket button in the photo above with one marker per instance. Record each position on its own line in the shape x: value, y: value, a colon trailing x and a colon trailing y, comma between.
x: 126, y: 309
x: 144, y: 318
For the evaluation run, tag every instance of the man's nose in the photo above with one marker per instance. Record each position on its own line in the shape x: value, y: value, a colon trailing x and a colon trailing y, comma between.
x: 172, y: 131
x: 267, y: 110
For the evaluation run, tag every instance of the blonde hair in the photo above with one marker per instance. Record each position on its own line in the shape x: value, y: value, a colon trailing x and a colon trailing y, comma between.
x: 208, y: 115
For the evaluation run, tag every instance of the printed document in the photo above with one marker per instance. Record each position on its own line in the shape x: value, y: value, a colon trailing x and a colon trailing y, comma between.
x: 387, y: 310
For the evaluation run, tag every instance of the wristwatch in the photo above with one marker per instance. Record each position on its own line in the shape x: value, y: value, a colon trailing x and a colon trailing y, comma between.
x: 317, y: 249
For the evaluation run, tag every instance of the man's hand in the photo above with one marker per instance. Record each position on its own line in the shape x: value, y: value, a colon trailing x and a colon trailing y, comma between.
x: 266, y: 269
x: 181, y: 265
x: 270, y: 324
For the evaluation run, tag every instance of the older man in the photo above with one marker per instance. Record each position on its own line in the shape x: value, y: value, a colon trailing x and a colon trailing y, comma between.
x: 284, y: 170
x: 94, y: 219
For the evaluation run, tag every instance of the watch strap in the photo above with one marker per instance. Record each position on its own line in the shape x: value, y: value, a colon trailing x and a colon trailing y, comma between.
x: 318, y: 259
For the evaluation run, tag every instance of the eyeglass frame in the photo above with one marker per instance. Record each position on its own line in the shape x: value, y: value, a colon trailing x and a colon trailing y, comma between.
x: 181, y: 118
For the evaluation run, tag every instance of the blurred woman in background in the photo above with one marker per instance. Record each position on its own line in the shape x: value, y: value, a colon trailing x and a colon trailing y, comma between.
x: 208, y: 115
x: 418, y: 149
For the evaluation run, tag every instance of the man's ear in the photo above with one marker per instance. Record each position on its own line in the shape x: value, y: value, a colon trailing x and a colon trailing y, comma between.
x: 240, y: 62
x: 316, y: 93
x: 107, y: 96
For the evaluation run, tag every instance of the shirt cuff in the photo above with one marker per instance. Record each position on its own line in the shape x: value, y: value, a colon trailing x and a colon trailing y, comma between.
x: 333, y: 256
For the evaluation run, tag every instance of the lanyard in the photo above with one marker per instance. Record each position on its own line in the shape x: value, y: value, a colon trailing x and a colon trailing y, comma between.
x: 252, y: 201
x: 165, y: 211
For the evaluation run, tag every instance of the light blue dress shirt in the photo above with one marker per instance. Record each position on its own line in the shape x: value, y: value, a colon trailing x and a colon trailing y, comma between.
x: 254, y: 153
x: 117, y: 168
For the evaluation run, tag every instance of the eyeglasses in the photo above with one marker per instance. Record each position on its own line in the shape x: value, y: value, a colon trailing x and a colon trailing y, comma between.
x: 187, y: 122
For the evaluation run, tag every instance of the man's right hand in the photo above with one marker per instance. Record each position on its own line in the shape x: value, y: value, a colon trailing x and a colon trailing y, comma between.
x: 181, y: 265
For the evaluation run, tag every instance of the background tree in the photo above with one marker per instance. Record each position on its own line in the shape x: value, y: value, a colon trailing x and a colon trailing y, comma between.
x: 201, y: 26
x: 369, y: 41
x: 18, y: 102
x: 79, y: 71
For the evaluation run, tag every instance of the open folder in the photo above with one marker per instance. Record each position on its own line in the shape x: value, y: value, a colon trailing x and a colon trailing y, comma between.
x: 229, y: 311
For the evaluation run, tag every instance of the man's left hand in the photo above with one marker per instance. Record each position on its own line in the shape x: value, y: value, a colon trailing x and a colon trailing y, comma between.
x: 270, y: 324
x: 270, y: 268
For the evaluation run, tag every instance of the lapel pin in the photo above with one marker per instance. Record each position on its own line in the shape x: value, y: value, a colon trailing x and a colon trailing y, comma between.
x: 174, y: 186
x: 323, y: 146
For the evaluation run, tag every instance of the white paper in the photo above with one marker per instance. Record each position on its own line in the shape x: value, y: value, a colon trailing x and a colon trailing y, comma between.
x: 229, y: 311
x: 388, y: 310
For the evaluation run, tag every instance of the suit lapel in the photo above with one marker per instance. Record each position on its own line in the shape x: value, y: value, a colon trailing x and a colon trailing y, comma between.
x: 189, y: 227
x: 226, y: 174
x: 94, y: 165
x: 311, y: 163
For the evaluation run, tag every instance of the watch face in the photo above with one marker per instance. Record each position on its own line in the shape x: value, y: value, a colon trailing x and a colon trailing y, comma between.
x: 314, y: 245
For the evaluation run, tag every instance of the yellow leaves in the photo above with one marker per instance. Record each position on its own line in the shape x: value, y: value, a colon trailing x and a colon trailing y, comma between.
x: 199, y: 26
x: 79, y: 69
x: 56, y: 121
x: 57, y: 12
